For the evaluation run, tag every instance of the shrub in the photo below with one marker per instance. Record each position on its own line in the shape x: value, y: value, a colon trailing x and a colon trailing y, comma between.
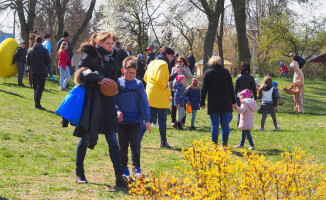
x: 217, y: 174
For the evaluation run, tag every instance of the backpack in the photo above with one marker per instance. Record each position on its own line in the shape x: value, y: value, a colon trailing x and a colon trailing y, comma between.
x: 300, y: 61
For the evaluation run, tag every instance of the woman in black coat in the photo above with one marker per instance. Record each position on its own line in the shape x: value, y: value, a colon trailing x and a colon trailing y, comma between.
x: 97, y: 67
x: 217, y: 82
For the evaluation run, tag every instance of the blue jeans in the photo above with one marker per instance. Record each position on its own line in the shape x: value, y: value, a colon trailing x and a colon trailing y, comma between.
x: 161, y: 114
x: 285, y: 74
x: 50, y: 70
x: 193, y: 118
x: 64, y: 76
x: 224, y: 118
x: 113, y: 150
x: 243, y: 138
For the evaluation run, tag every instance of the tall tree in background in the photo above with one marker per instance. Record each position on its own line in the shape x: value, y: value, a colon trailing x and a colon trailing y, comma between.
x: 213, y: 10
x: 26, y: 11
x: 239, y: 8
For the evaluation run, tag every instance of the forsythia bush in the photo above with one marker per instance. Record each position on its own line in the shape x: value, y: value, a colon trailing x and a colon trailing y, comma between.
x: 217, y: 174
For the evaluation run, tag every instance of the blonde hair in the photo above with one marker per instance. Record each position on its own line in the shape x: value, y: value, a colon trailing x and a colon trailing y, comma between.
x: 63, y: 44
x: 214, y: 59
x: 98, y: 37
x: 130, y: 62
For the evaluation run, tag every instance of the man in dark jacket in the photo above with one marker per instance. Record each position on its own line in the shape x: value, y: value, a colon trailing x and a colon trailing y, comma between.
x: 121, y: 55
x: 192, y: 61
x: 150, y: 55
x: 38, y: 59
x: 20, y: 57
x: 217, y: 82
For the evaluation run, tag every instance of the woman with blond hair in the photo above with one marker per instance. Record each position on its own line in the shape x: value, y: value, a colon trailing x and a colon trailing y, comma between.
x: 97, y: 68
x: 217, y: 82
x: 298, y: 82
x: 63, y: 65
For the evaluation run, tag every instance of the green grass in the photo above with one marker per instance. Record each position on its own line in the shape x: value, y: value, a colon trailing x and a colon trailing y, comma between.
x: 37, y: 155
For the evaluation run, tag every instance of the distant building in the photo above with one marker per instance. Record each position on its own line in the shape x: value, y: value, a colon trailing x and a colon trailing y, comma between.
x: 4, y: 36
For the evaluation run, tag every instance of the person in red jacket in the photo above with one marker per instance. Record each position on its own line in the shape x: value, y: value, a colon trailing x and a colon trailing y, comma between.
x: 63, y: 64
x: 284, y: 70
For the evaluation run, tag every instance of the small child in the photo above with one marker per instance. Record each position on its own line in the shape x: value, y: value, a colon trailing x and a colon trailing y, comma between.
x: 269, y: 102
x: 247, y: 110
x: 132, y: 108
x: 180, y: 99
x: 193, y: 94
x: 20, y: 57
x: 284, y: 70
x: 278, y: 94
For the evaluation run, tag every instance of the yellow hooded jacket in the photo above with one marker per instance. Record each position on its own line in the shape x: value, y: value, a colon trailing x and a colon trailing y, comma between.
x: 157, y: 79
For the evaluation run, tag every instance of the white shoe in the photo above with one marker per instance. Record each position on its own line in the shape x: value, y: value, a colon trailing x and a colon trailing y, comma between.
x: 277, y: 128
x: 155, y: 125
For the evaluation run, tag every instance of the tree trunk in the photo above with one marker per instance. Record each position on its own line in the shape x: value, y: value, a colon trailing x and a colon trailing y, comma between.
x: 84, y: 24
x: 60, y: 13
x: 209, y: 40
x: 26, y: 26
x: 240, y: 21
x: 220, y: 38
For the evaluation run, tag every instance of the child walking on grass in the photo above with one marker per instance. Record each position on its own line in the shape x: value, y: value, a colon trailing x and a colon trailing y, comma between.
x: 180, y: 99
x: 132, y: 108
x: 193, y: 94
x: 268, y: 95
x: 246, y: 123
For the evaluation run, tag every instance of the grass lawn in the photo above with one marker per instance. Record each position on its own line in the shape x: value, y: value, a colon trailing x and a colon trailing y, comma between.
x: 37, y: 155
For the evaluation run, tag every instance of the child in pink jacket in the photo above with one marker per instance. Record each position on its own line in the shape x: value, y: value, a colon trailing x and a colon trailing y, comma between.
x: 246, y: 123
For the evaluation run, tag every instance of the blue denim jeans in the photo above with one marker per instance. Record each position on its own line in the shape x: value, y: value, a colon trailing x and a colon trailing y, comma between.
x: 193, y: 118
x: 64, y: 76
x: 224, y: 118
x: 243, y: 138
x: 161, y: 114
x: 113, y: 150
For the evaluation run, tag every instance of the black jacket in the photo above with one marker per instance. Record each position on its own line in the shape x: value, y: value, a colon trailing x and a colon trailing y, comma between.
x: 245, y: 81
x: 140, y: 71
x: 100, y: 114
x: 38, y: 59
x: 217, y: 82
x: 149, y: 58
x: 20, y: 55
x: 120, y: 56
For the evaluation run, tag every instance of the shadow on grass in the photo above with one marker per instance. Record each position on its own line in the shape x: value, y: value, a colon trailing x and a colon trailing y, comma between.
x: 111, y: 188
x: 171, y: 149
x: 11, y: 93
x: 270, y: 152
x: 2, y: 198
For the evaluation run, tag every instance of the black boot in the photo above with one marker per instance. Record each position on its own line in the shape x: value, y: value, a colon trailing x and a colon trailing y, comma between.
x: 119, y: 180
x: 80, y: 176
x: 166, y: 144
x: 179, y: 126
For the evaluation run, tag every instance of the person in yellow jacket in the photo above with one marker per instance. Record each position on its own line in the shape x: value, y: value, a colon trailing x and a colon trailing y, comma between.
x: 158, y: 91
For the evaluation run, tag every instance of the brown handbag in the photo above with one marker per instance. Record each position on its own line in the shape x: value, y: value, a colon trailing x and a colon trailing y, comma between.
x: 109, y: 90
x: 291, y: 90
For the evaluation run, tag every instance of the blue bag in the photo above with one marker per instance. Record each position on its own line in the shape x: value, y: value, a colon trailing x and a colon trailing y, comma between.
x: 73, y: 105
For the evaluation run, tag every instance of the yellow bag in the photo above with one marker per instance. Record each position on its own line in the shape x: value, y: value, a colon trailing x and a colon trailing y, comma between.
x: 188, y: 108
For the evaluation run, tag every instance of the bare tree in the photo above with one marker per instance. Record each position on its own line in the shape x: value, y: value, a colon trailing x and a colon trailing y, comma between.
x: 213, y: 10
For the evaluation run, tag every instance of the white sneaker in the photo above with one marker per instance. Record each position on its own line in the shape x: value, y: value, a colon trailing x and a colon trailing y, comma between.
x: 155, y: 125
x: 277, y: 128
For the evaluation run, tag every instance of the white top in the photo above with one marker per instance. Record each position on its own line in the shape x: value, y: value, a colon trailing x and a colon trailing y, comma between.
x: 295, y: 76
x: 268, y: 95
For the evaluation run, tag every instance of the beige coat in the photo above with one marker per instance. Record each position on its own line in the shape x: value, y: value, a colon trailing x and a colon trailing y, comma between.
x: 298, y: 81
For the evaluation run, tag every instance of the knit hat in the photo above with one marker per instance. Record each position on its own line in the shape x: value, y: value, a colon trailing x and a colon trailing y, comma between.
x: 245, y: 93
x: 179, y: 78
x: 275, y: 84
x: 65, y: 34
x: 140, y: 56
x: 282, y: 64
x: 194, y: 83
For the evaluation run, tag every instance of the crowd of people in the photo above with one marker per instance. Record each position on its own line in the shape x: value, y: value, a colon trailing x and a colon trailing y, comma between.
x: 145, y: 89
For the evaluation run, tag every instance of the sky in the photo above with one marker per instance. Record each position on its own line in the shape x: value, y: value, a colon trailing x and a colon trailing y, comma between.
x: 309, y: 12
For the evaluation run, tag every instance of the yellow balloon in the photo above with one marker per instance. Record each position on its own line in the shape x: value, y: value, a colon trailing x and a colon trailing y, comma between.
x: 7, y: 51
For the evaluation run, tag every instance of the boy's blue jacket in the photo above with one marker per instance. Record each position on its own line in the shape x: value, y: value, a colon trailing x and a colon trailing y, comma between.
x: 132, y: 101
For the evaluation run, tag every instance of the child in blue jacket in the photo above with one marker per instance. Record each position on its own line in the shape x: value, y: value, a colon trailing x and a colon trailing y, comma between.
x: 193, y: 93
x: 132, y: 108
x: 180, y: 99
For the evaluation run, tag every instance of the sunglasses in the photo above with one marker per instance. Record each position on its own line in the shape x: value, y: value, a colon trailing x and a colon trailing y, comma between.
x: 180, y: 61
